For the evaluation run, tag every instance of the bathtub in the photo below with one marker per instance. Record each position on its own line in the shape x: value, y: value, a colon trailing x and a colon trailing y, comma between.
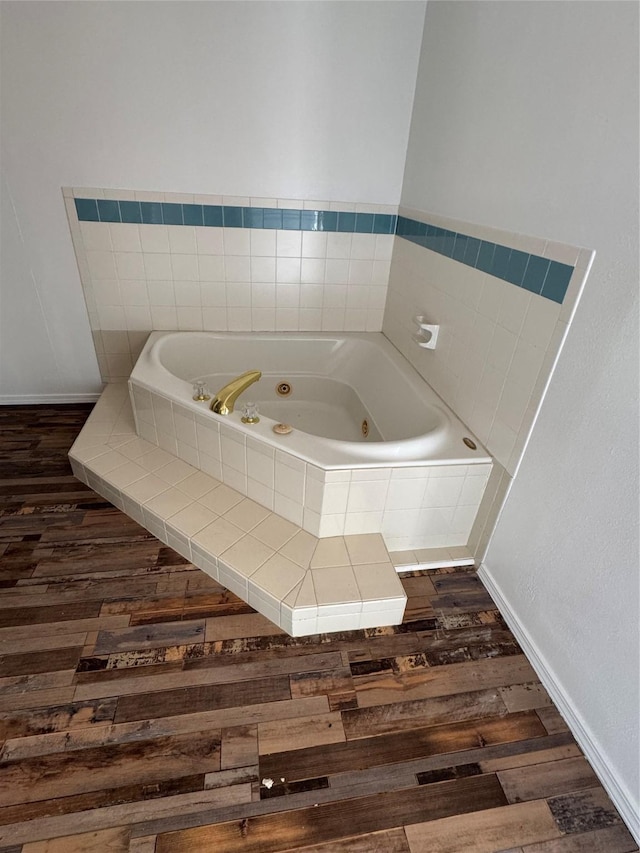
x: 372, y: 449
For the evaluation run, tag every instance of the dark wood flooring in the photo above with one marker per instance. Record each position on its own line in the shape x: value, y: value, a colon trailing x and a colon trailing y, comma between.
x: 145, y: 708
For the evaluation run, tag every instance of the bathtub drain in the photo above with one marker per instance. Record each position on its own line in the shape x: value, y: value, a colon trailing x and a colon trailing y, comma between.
x: 283, y: 389
x: 365, y: 428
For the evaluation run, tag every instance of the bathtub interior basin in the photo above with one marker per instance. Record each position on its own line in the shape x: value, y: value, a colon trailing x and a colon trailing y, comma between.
x: 337, y: 382
x: 317, y: 405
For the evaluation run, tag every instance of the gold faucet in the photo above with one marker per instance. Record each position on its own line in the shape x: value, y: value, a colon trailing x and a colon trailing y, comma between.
x: 224, y: 400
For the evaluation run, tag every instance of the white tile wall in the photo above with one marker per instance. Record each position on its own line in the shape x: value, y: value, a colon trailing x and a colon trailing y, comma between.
x: 497, y: 343
x: 417, y: 507
x: 497, y: 348
x: 139, y: 278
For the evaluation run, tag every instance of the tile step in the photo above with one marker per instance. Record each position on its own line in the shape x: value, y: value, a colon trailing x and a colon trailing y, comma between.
x: 431, y: 558
x: 303, y: 584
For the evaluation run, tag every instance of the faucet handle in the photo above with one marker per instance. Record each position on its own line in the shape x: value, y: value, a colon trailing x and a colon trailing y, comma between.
x: 200, y: 390
x: 250, y: 414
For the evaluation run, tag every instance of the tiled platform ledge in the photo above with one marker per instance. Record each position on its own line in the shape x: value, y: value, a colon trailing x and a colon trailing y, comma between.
x: 431, y: 558
x: 303, y: 584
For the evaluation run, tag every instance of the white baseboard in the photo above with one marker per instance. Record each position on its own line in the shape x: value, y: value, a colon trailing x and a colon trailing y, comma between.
x: 620, y: 796
x: 43, y: 399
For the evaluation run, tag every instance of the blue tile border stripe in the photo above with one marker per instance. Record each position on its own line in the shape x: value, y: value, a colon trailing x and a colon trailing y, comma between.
x: 228, y: 216
x: 531, y: 272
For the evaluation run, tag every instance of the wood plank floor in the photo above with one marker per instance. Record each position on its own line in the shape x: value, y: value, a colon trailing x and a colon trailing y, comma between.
x: 145, y: 708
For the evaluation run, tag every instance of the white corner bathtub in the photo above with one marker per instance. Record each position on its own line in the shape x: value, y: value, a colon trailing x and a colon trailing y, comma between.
x: 411, y: 477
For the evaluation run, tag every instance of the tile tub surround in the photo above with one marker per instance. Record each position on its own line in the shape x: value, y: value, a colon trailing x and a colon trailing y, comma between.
x: 429, y: 559
x: 502, y: 299
x: 303, y: 584
x: 504, y: 306
x: 265, y: 265
x: 419, y: 506
x: 525, y: 269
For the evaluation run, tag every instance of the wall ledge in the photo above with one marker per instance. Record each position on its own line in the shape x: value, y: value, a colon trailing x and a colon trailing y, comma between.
x: 43, y: 399
x: 620, y: 796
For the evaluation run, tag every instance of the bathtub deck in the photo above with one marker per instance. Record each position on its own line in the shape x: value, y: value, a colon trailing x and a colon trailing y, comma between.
x: 142, y: 705
x: 304, y: 584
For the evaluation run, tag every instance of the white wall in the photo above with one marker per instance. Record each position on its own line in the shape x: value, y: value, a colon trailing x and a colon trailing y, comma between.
x: 275, y: 99
x: 526, y: 118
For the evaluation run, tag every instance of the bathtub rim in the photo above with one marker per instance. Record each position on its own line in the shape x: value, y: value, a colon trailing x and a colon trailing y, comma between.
x: 339, y: 454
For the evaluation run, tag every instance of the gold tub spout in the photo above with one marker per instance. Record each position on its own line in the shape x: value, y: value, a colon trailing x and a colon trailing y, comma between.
x: 226, y: 397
